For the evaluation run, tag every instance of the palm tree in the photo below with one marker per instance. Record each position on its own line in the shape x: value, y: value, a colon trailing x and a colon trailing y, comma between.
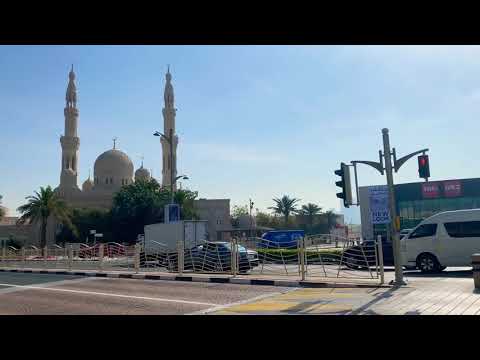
x: 2, y: 210
x: 331, y: 217
x: 41, y: 207
x: 186, y: 198
x: 310, y: 210
x: 284, y: 206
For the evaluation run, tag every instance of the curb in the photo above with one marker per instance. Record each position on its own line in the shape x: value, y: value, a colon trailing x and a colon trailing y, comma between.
x: 216, y: 280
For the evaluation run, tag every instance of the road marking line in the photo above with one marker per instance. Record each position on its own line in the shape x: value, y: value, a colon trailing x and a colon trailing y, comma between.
x: 14, y: 288
x: 222, y: 307
x: 109, y: 294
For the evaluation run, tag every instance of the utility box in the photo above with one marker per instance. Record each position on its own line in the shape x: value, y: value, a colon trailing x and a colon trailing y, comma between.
x: 172, y: 213
x: 167, y: 235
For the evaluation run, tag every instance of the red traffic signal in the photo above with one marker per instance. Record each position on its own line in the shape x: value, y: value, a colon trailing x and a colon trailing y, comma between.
x: 423, y: 167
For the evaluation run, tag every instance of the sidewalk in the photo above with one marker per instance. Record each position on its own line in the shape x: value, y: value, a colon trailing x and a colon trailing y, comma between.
x: 444, y: 294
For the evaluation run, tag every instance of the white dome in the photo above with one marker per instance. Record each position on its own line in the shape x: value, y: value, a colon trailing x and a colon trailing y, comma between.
x: 87, y: 185
x: 142, y: 174
x: 113, y: 168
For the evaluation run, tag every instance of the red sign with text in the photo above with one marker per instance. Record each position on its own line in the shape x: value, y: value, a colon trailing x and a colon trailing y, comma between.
x: 430, y: 190
x: 452, y: 188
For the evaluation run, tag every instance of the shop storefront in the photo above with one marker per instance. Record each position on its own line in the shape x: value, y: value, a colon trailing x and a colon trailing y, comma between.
x: 417, y: 201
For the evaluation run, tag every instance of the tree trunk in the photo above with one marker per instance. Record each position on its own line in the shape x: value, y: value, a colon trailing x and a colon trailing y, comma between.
x: 43, y: 235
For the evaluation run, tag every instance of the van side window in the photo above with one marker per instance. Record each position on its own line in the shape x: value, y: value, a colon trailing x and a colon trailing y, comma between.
x: 463, y: 229
x: 424, y: 230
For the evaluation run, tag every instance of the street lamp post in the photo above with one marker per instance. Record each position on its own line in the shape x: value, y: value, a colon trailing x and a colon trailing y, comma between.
x: 251, y: 219
x: 169, y: 139
x: 173, y: 179
x: 394, y: 231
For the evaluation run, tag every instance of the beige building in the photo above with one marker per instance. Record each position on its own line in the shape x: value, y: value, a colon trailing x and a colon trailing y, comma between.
x: 217, y: 212
x: 23, y: 235
x: 114, y: 169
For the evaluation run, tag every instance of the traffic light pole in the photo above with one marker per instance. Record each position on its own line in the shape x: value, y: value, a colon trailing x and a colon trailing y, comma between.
x: 394, y: 228
x: 395, y: 235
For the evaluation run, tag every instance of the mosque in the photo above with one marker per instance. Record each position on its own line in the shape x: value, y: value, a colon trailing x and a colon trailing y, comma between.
x: 114, y: 168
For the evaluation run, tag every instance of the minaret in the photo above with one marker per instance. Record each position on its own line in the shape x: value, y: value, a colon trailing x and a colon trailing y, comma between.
x: 70, y: 141
x: 169, y: 125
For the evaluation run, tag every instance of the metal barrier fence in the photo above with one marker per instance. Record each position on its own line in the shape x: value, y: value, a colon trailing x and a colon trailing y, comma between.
x: 322, y: 255
x: 318, y: 256
x: 272, y: 258
x: 341, y: 258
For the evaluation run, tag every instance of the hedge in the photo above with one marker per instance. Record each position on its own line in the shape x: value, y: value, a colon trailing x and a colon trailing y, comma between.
x: 290, y: 252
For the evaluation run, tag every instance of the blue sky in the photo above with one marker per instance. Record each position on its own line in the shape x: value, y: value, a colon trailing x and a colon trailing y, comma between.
x: 253, y: 121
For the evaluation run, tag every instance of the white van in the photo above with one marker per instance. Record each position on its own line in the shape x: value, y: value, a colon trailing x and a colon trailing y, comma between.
x: 445, y: 239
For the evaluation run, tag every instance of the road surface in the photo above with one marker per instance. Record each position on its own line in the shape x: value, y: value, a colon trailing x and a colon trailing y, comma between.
x: 44, y: 294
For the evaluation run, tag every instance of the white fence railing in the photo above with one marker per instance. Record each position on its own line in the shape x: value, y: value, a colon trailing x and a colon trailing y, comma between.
x: 311, y: 257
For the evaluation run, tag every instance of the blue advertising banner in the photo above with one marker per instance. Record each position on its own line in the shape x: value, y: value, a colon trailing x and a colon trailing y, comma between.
x: 379, y: 204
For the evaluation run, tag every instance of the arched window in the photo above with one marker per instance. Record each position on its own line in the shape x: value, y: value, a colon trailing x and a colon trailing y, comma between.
x: 111, y: 180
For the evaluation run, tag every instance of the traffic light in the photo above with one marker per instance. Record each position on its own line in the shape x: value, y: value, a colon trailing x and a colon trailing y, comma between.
x: 344, y: 184
x: 423, y: 167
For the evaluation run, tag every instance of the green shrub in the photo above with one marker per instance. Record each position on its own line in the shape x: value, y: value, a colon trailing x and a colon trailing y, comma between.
x: 328, y: 255
x: 288, y: 252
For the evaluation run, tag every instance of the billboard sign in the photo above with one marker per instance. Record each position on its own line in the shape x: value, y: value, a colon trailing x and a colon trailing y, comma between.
x: 430, y: 190
x: 379, y: 204
x: 452, y: 188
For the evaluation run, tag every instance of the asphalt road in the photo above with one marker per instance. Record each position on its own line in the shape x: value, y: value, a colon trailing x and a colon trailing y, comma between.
x: 43, y: 294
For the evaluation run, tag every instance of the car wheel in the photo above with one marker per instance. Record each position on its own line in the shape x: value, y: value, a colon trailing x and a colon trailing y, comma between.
x: 172, y: 266
x: 351, y: 263
x: 243, y: 268
x: 218, y: 267
x: 427, y: 263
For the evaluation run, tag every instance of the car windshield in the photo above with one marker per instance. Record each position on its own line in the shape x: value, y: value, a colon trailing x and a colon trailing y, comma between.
x: 229, y: 247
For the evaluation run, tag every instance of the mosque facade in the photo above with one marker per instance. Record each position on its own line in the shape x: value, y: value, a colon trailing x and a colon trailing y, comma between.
x: 114, y: 168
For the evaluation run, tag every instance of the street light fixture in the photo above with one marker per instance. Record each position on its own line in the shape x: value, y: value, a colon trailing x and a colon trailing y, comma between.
x: 173, y: 180
x: 169, y: 139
